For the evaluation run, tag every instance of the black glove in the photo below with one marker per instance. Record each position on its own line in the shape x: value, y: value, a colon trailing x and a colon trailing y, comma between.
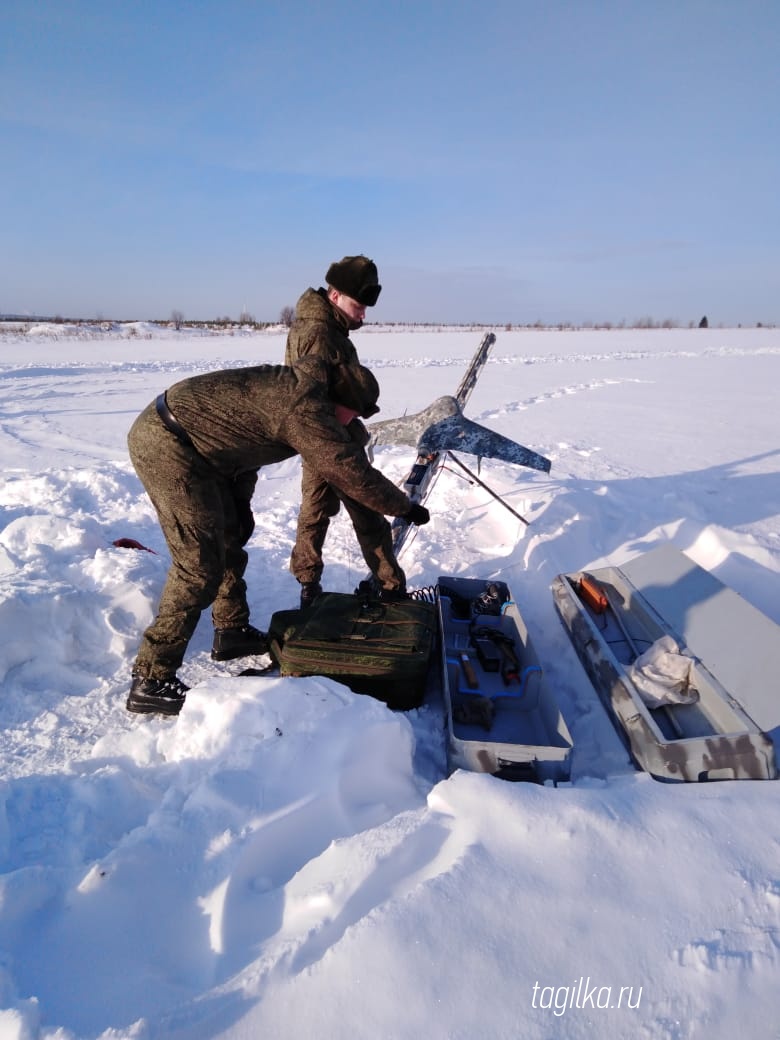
x: 358, y: 433
x: 418, y: 515
x: 246, y: 519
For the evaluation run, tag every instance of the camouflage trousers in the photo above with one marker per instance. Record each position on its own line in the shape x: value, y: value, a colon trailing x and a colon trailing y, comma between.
x: 197, y: 510
x: 319, y: 502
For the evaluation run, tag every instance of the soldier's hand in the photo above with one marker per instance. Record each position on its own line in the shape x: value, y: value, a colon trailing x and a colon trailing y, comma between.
x: 417, y: 515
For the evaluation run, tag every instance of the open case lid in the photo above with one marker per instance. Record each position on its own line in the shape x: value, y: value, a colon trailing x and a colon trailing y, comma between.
x: 731, y: 637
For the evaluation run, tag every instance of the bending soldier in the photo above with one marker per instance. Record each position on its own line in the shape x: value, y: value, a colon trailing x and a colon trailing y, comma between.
x: 197, y: 450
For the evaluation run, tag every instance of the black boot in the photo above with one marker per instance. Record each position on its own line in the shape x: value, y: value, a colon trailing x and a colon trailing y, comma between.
x: 238, y: 642
x: 156, y: 696
x: 310, y: 590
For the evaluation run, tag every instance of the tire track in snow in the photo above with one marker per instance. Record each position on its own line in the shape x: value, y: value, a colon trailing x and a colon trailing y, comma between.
x: 551, y: 395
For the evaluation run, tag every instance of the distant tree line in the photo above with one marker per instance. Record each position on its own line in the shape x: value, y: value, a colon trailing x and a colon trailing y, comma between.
x: 177, y: 320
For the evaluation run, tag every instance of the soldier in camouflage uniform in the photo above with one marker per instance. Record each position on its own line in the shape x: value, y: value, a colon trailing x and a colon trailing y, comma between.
x: 197, y: 450
x: 320, y: 331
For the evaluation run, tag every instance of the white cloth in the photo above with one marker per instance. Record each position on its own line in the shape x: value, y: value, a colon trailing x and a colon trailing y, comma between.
x: 662, y: 674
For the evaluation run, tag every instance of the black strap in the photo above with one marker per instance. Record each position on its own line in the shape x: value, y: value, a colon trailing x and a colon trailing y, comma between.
x: 171, y: 422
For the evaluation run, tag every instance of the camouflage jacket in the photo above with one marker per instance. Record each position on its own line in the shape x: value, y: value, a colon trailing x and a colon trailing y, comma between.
x: 319, y: 332
x: 320, y: 335
x: 243, y: 418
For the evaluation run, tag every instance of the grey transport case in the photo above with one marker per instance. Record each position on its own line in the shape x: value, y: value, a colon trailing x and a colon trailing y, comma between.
x: 501, y: 715
x: 731, y: 729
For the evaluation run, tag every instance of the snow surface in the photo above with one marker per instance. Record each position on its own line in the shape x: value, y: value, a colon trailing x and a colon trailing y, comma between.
x: 288, y: 859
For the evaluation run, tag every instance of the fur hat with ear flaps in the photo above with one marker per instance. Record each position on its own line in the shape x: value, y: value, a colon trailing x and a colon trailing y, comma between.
x: 357, y: 277
x: 356, y: 388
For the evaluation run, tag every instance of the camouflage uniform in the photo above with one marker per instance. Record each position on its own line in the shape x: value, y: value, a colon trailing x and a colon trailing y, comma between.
x: 319, y: 332
x: 237, y: 421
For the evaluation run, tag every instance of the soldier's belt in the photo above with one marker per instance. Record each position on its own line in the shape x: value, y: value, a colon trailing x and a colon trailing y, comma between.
x: 171, y: 422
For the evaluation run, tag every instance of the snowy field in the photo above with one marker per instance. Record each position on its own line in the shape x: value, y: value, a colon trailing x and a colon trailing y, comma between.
x: 290, y: 860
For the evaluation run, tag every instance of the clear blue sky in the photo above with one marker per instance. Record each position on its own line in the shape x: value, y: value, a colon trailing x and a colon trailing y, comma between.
x: 502, y: 161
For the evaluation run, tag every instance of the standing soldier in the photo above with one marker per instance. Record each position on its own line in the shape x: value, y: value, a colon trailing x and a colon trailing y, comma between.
x: 324, y: 318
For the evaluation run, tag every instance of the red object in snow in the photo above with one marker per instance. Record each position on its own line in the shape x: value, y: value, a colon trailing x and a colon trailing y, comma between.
x: 131, y: 543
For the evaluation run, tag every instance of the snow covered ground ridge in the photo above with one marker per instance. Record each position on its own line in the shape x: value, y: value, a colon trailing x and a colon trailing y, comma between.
x: 288, y: 859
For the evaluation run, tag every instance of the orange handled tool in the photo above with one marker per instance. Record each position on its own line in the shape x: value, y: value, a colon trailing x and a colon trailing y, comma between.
x: 591, y: 593
x: 468, y: 671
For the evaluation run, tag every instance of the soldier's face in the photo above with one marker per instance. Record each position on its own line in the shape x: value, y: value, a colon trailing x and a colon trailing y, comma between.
x: 354, y: 311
